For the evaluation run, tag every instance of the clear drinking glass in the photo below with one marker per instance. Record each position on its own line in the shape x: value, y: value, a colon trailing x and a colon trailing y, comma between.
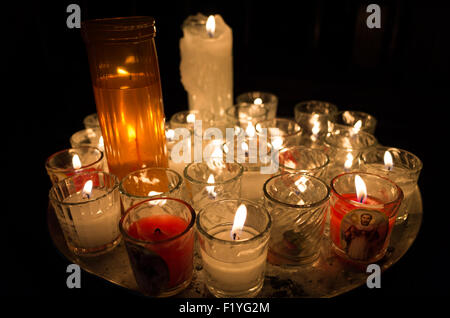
x: 298, y: 205
x: 89, y: 219
x: 267, y: 99
x: 313, y: 117
x: 402, y: 167
x: 159, y: 238
x: 301, y: 159
x: 150, y: 182
x: 360, y: 229
x: 245, y: 114
x: 88, y: 137
x: 212, y: 180
x: 355, y: 119
x: 67, y: 162
x: 234, y: 265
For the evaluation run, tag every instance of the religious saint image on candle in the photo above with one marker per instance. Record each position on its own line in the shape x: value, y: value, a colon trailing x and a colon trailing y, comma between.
x: 363, y: 233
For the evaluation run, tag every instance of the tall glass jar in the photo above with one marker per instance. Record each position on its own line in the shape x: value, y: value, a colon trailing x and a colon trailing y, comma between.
x: 127, y: 88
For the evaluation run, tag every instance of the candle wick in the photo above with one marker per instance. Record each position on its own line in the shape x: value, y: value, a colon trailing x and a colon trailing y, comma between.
x: 157, y: 231
x: 235, y: 236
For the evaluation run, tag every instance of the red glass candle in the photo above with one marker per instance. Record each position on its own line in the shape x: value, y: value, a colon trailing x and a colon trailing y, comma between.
x: 360, y: 226
x: 159, y: 238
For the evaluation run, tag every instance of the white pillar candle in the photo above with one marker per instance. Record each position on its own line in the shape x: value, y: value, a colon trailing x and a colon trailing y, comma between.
x: 206, y: 64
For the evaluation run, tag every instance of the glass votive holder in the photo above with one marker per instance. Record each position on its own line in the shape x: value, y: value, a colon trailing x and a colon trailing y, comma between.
x: 313, y: 116
x: 245, y: 114
x: 212, y: 180
x: 68, y: 162
x: 187, y: 118
x: 398, y: 165
x: 150, y: 182
x: 234, y: 264
x: 361, y: 224
x: 280, y: 132
x: 91, y: 121
x: 344, y: 146
x: 87, y: 206
x: 355, y: 119
x: 159, y: 238
x: 298, y: 204
x: 261, y: 98
x: 301, y: 159
x: 88, y: 137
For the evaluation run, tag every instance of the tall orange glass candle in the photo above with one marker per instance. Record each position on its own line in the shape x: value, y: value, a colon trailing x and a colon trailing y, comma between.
x: 127, y: 88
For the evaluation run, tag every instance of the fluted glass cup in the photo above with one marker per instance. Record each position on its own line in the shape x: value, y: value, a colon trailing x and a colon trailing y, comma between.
x: 267, y: 99
x: 355, y: 119
x: 298, y: 205
x: 302, y: 159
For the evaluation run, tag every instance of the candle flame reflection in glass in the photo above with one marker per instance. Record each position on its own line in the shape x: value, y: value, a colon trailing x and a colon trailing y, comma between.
x: 388, y: 161
x: 361, y: 189
x: 211, y: 26
x: 348, y: 162
x: 250, y: 130
x: 257, y: 101
x: 76, y: 162
x: 238, y: 223
x: 190, y: 118
x: 210, y: 189
x: 357, y: 126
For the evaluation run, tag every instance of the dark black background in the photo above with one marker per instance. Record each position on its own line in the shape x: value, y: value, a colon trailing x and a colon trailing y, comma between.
x: 298, y: 50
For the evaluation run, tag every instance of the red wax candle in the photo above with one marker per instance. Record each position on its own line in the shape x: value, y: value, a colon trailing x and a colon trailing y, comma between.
x: 360, y: 230
x: 176, y: 253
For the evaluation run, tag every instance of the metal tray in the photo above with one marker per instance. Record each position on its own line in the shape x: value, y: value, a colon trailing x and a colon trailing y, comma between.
x: 327, y: 277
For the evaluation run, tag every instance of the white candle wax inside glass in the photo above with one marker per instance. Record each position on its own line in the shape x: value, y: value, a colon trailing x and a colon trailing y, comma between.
x: 397, y: 174
x: 234, y: 275
x: 96, y: 223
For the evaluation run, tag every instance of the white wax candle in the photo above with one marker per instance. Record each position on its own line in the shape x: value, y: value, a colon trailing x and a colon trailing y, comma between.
x: 207, y: 65
x: 397, y: 174
x: 234, y: 275
x: 252, y: 185
x: 96, y: 222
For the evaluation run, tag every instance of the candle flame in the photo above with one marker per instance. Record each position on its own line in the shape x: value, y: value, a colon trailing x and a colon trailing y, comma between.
x: 190, y: 118
x: 211, y: 26
x: 131, y: 133
x: 122, y: 71
x: 357, y: 126
x: 250, y: 130
x: 361, y: 189
x: 316, y: 124
x: 210, y: 189
x: 76, y: 162
x: 239, y: 220
x: 101, y: 143
x: 244, y: 146
x: 388, y: 161
x: 87, y: 189
x: 277, y: 142
x: 348, y: 162
x: 258, y: 101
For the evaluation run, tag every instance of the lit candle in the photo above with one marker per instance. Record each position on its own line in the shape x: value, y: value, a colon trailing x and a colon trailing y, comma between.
x: 363, y: 213
x: 234, y: 254
x: 206, y: 50
x: 88, y: 209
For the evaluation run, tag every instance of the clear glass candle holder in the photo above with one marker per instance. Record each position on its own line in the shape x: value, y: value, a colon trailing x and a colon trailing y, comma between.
x: 344, y: 146
x: 88, y: 137
x: 280, y: 132
x: 301, y: 159
x: 150, y: 182
x: 187, y: 118
x: 91, y: 121
x: 355, y: 119
x: 360, y: 229
x: 261, y: 98
x: 401, y: 166
x: 298, y: 204
x: 212, y: 180
x: 159, y: 238
x: 233, y: 267
x: 245, y: 114
x: 69, y: 162
x: 88, y: 215
x: 313, y: 116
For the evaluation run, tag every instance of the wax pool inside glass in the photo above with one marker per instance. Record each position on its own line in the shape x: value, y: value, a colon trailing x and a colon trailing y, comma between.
x: 177, y: 254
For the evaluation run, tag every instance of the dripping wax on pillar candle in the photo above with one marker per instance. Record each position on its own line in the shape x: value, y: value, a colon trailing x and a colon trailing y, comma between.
x: 206, y: 63
x: 363, y: 212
